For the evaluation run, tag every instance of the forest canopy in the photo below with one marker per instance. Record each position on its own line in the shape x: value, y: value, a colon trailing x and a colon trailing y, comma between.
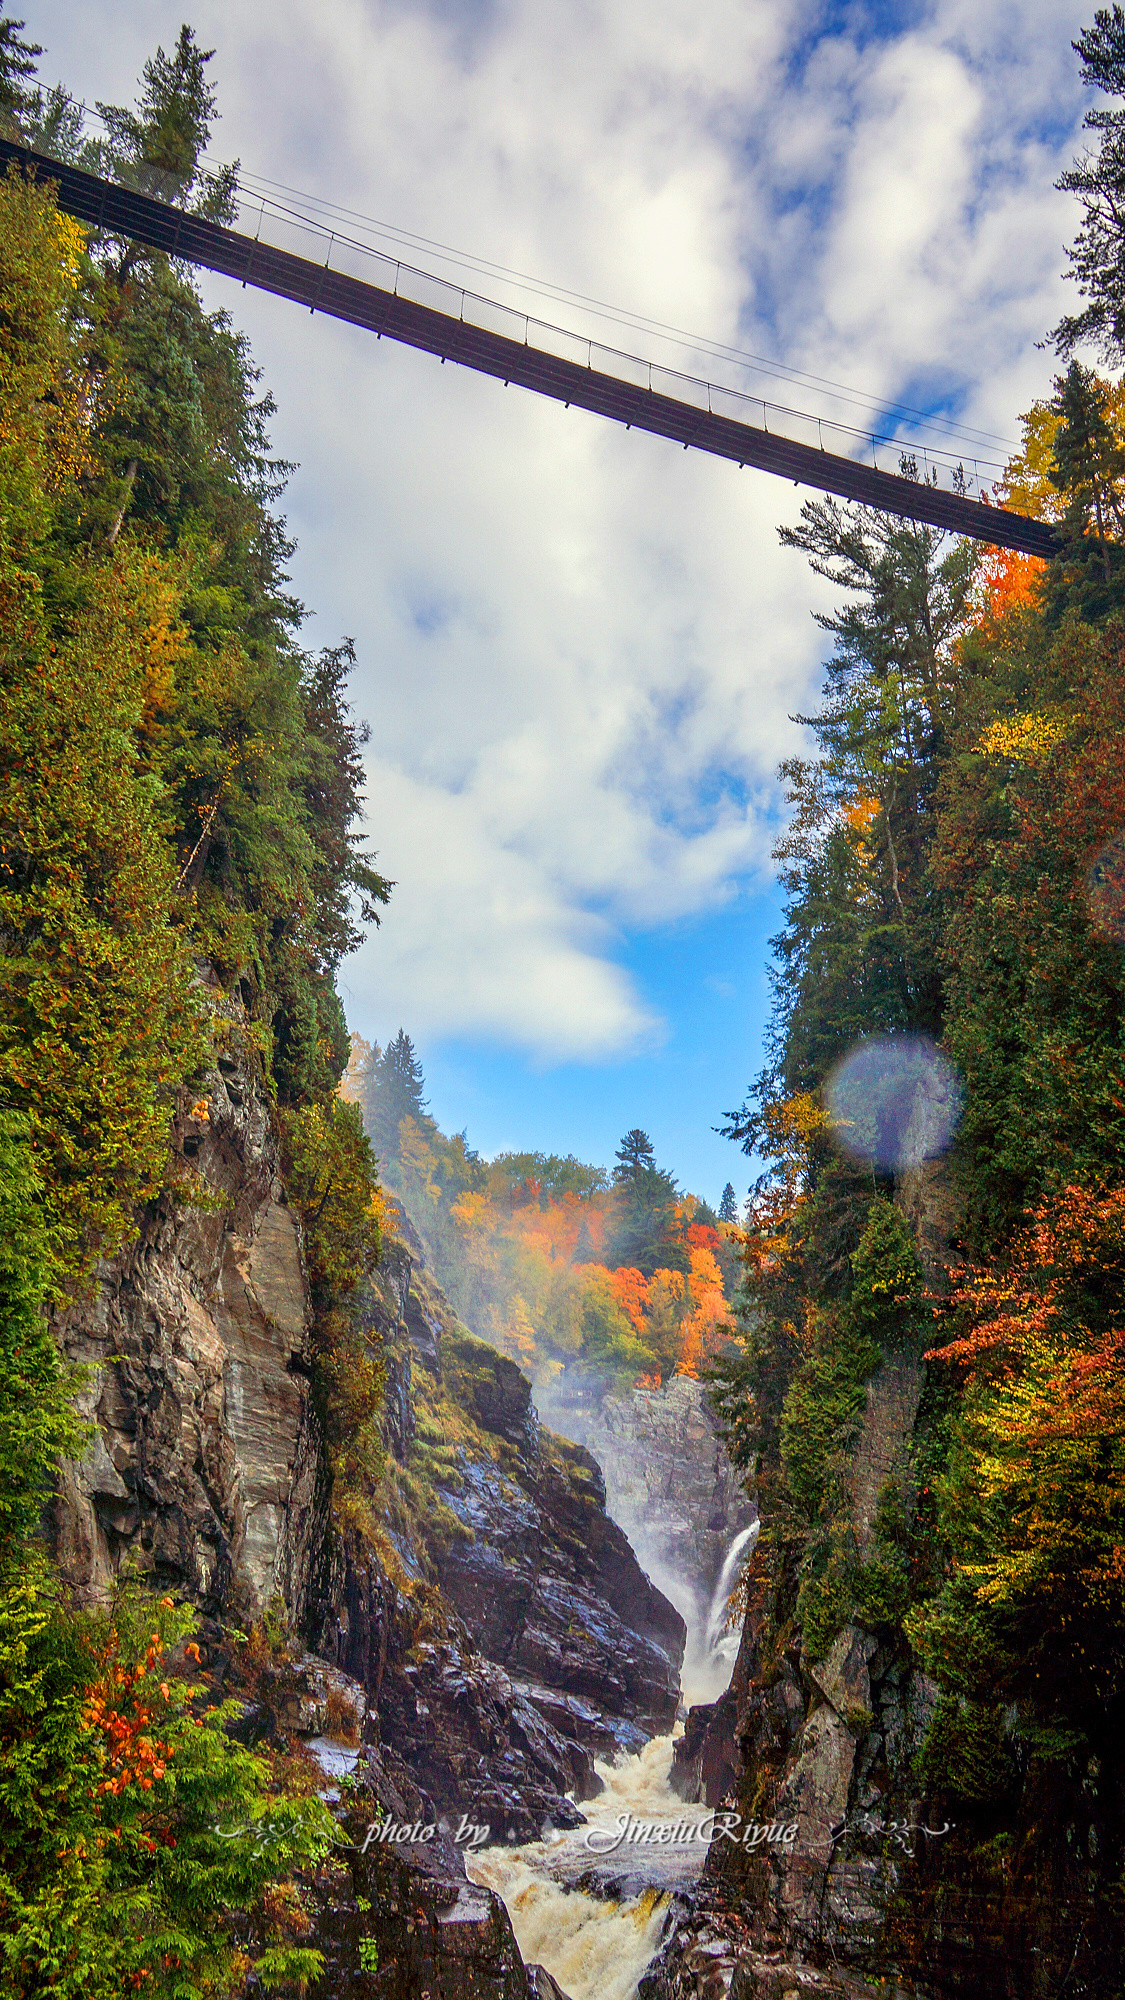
x: 558, y: 1264
x: 954, y: 873
x: 180, y: 792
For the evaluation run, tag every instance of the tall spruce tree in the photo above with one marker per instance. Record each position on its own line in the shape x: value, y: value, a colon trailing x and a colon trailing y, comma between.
x: 1097, y: 256
x: 397, y: 1093
x: 647, y: 1197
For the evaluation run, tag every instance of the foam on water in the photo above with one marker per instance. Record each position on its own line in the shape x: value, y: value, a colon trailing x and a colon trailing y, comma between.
x: 597, y: 1947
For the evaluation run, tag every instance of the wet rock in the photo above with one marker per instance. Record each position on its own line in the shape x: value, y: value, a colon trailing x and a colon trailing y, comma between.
x: 399, y: 1404
x: 417, y: 1933
x: 204, y: 1468
x: 843, y: 1678
x: 541, y: 1986
x: 705, y: 1760
x: 424, y: 1333
x: 669, y: 1480
x: 550, y: 1588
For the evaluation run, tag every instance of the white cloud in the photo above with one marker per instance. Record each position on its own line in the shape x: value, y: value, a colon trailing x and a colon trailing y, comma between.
x: 579, y: 649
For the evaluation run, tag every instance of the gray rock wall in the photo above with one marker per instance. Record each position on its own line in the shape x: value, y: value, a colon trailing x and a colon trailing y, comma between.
x: 668, y: 1480
x: 204, y: 1469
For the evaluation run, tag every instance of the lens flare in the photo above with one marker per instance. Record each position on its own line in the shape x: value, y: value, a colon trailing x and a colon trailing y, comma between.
x: 1105, y: 883
x: 894, y: 1101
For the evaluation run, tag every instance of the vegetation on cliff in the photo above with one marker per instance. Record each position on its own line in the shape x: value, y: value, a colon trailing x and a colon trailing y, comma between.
x: 556, y: 1263
x: 179, y: 786
x: 954, y: 870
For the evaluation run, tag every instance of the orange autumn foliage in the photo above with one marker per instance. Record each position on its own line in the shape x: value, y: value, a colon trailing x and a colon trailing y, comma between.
x: 117, y: 1711
x: 1007, y: 582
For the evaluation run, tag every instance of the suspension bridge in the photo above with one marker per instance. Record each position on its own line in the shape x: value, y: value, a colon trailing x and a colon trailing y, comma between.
x: 417, y: 309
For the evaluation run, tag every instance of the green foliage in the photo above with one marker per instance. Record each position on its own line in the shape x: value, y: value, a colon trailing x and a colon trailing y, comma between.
x: 1097, y: 258
x: 178, y: 779
x: 1088, y: 470
x: 544, y: 1177
x: 824, y: 1593
x: 966, y: 1751
x: 1032, y: 956
x: 647, y: 1194
x: 331, y: 1179
x: 130, y: 1823
x: 37, y: 1420
x: 820, y: 1421
x: 17, y: 68
x: 392, y: 1087
x: 885, y: 1302
x: 156, y: 148
x: 97, y: 1024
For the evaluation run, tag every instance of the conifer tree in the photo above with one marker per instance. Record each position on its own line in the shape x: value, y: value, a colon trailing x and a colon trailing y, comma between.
x: 397, y: 1092
x: 1088, y: 470
x: 1097, y: 256
x: 18, y: 100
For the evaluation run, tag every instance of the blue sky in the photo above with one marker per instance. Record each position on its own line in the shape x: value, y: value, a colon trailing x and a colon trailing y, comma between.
x: 579, y: 650
x: 706, y: 979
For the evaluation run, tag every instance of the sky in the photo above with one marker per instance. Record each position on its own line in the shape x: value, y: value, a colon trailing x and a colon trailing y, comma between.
x: 580, y: 650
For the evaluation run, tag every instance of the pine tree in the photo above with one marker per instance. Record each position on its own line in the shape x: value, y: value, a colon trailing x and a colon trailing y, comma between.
x: 635, y: 1158
x: 1097, y: 258
x: 647, y: 1203
x: 17, y: 69
x: 398, y: 1087
x: 157, y: 148
x: 728, y: 1206
x: 1088, y: 469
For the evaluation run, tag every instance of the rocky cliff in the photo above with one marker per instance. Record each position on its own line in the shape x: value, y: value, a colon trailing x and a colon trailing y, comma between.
x: 887, y: 1885
x: 519, y: 1635
x: 483, y: 1638
x: 669, y: 1481
x: 205, y: 1467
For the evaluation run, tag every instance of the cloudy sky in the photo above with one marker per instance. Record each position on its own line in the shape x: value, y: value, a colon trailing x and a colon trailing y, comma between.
x: 579, y: 649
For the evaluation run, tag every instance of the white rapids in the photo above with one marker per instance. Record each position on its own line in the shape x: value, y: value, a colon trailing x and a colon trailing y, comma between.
x: 597, y: 1946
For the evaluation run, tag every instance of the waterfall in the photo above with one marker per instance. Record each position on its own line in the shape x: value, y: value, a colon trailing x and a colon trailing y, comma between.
x: 710, y: 1649
x: 716, y: 1639
x: 597, y: 1946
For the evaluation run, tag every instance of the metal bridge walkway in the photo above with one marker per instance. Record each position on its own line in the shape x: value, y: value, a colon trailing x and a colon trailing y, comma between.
x: 634, y: 403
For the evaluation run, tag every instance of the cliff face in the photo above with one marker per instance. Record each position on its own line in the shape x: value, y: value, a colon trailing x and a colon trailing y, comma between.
x: 492, y: 1634
x: 668, y: 1479
x: 205, y: 1464
x: 521, y: 1637
x: 888, y: 1884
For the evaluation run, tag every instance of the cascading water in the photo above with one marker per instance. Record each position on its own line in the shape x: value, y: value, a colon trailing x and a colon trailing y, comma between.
x: 717, y: 1639
x: 596, y: 1945
x: 711, y: 1649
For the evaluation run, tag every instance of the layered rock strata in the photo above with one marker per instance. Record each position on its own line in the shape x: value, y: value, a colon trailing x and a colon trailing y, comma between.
x: 205, y: 1462
x: 669, y: 1481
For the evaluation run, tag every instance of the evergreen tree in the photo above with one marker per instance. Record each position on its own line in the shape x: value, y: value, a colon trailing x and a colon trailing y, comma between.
x: 647, y: 1198
x: 1097, y: 257
x: 157, y: 148
x: 18, y: 101
x: 728, y: 1206
x: 1088, y: 470
x: 636, y: 1159
x: 397, y: 1092
x: 37, y: 1420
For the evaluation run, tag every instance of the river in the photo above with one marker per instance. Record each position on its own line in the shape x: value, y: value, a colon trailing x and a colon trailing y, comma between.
x: 597, y: 1944
x: 590, y: 1905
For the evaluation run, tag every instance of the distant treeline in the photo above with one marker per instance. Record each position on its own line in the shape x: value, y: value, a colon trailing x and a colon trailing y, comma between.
x: 557, y: 1263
